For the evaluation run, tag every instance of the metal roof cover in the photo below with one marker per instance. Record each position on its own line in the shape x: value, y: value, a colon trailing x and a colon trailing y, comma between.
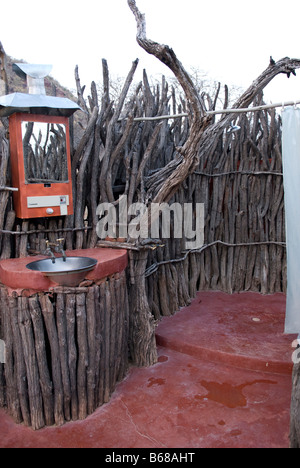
x: 38, y: 102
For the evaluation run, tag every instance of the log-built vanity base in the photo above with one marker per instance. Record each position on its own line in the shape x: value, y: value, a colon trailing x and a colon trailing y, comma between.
x: 65, y: 350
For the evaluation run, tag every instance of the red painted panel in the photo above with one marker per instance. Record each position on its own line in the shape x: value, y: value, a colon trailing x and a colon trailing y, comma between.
x: 18, y: 170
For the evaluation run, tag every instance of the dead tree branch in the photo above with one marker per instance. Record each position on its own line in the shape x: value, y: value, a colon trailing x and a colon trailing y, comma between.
x: 199, y: 119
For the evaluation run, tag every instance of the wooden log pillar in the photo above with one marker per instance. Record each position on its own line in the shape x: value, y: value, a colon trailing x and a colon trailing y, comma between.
x: 65, y: 351
x: 142, y: 343
x: 295, y: 406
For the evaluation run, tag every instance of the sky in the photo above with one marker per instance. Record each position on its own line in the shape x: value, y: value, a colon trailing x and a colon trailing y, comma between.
x: 227, y: 40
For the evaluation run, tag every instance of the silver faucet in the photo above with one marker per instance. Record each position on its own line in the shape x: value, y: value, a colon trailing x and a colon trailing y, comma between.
x: 49, y: 252
x: 60, y: 248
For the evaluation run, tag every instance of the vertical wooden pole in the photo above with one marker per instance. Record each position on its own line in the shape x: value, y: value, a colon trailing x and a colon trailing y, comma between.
x: 32, y: 373
x: 41, y: 354
x: 63, y: 353
x: 82, y: 355
x: 49, y: 318
x: 72, y: 352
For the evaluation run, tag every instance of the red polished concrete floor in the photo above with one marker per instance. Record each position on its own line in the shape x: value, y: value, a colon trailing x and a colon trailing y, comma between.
x: 192, y: 398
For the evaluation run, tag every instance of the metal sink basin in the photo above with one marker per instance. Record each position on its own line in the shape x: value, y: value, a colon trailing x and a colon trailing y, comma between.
x: 66, y: 273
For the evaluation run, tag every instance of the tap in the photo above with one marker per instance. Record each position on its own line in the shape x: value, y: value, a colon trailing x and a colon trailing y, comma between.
x: 60, y: 248
x: 49, y: 252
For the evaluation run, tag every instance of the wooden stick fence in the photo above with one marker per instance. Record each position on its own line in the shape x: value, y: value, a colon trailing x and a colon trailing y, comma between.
x: 65, y: 351
x: 238, y: 178
x: 241, y: 185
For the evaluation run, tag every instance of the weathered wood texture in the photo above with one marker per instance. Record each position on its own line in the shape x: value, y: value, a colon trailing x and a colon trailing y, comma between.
x: 65, y: 351
x: 238, y: 178
x: 240, y: 182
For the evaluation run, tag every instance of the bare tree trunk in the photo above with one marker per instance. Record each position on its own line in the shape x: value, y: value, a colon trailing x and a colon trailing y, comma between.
x: 203, y: 131
x: 142, y: 324
x: 200, y: 120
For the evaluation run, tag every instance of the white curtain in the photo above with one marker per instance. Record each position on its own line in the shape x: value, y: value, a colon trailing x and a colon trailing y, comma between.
x: 291, y: 177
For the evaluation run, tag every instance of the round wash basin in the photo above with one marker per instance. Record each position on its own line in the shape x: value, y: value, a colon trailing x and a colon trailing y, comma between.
x: 15, y: 275
x: 66, y: 272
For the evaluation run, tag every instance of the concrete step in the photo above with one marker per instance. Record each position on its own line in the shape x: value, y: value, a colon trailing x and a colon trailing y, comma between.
x: 245, y: 330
